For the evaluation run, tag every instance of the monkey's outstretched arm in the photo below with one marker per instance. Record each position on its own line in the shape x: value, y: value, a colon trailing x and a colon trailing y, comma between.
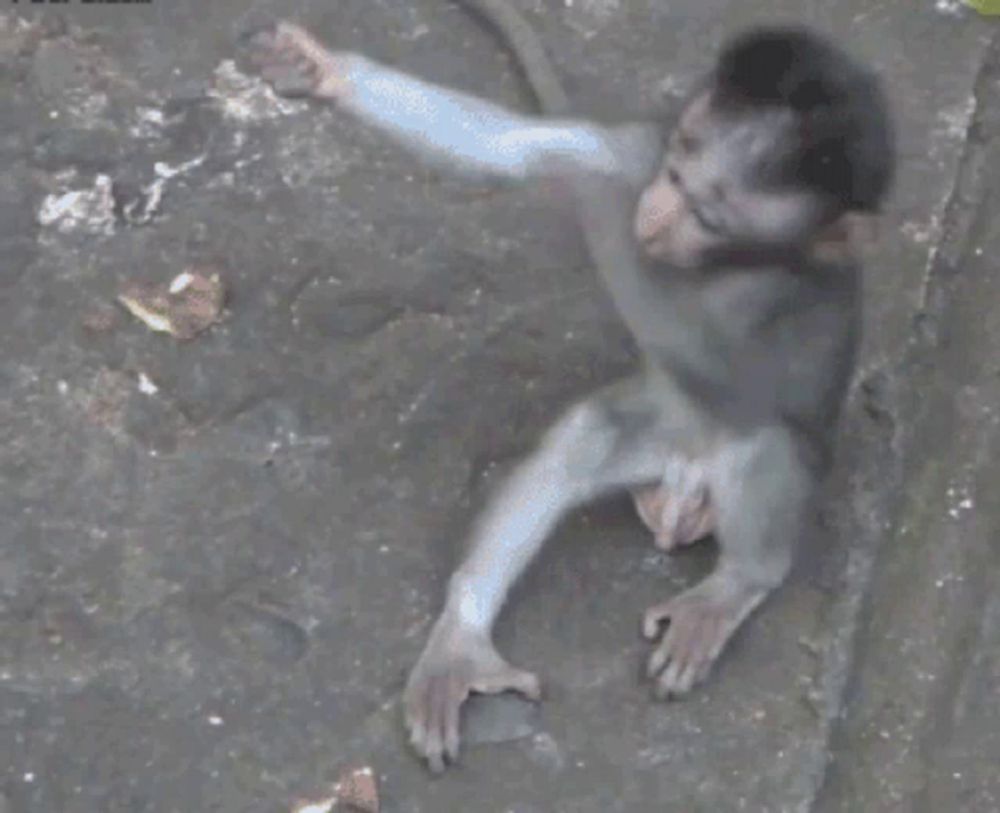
x: 471, y: 134
x: 447, y: 126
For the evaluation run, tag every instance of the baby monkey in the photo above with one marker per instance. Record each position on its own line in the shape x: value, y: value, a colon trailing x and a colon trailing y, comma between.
x: 722, y: 240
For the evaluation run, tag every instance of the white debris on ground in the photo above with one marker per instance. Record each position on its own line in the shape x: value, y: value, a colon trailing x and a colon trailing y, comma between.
x: 246, y: 98
x: 587, y: 17
x: 146, y: 385
x: 87, y: 210
x: 320, y: 806
x: 952, y: 124
x: 92, y: 210
x: 143, y: 208
x: 356, y: 790
x: 959, y: 500
x: 951, y: 7
x: 149, y: 122
x: 184, y: 307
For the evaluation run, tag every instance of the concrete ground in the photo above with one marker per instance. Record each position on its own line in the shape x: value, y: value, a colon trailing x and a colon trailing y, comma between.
x: 218, y: 558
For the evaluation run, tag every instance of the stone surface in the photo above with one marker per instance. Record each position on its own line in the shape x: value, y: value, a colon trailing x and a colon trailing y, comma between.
x: 218, y: 559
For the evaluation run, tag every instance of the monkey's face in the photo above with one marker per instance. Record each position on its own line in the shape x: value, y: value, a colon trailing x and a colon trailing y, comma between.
x: 706, y: 204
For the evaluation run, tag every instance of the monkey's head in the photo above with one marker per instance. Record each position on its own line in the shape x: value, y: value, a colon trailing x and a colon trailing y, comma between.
x: 785, y: 136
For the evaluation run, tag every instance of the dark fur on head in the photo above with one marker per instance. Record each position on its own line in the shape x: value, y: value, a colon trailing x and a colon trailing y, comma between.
x: 843, y: 143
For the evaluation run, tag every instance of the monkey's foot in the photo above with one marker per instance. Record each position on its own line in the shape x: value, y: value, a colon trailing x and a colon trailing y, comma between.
x: 675, y: 520
x: 701, y: 620
x: 452, y: 666
x: 296, y: 64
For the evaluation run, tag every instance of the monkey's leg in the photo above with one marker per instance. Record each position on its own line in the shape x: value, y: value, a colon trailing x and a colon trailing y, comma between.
x: 761, y: 491
x: 596, y: 447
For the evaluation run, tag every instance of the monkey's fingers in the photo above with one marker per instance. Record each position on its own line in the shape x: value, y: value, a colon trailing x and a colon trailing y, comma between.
x: 295, y: 38
x: 295, y: 63
x: 291, y: 81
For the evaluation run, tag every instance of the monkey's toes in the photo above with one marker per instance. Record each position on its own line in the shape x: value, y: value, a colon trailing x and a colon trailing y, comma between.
x: 697, y: 631
x: 510, y: 679
x: 432, y: 715
x: 434, y: 698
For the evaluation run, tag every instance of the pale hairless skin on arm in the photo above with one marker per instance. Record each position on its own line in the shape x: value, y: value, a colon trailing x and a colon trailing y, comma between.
x: 747, y: 333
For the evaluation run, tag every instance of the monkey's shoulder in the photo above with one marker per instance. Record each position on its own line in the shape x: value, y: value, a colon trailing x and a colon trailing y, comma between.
x: 759, y: 299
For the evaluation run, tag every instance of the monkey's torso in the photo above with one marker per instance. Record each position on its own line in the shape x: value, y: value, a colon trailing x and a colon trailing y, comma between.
x: 751, y: 346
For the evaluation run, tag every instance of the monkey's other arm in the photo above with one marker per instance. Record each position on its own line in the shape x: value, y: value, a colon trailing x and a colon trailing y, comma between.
x: 448, y: 127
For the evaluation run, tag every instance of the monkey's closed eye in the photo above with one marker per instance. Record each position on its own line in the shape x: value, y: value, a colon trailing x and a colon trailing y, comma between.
x: 707, y: 223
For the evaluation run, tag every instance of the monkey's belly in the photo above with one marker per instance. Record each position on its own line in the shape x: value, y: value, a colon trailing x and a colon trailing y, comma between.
x: 674, y: 519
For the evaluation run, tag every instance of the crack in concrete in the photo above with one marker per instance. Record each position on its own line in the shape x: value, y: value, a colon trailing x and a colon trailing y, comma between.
x: 946, y: 211
x: 864, y: 559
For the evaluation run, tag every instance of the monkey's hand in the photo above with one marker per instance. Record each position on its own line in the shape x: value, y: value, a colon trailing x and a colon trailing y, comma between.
x: 456, y: 662
x: 296, y: 64
x: 701, y: 621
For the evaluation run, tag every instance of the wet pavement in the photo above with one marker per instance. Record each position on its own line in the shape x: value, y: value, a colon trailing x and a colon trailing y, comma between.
x: 219, y: 557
